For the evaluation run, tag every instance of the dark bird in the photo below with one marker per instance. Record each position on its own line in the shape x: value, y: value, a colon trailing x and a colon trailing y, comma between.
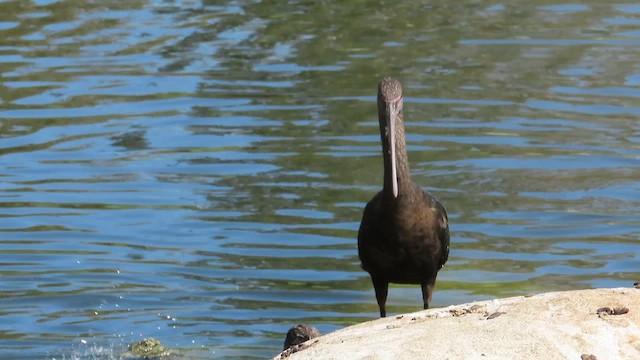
x: 404, y: 233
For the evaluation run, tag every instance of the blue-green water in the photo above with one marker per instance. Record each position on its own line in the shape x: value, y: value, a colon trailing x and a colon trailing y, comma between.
x: 195, y: 171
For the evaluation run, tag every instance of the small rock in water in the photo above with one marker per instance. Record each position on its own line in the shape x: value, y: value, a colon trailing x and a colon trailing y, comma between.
x: 299, y: 334
x: 148, y: 348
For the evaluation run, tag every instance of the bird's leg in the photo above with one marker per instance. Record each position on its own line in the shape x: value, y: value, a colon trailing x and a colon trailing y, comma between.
x: 427, y: 291
x: 381, y: 287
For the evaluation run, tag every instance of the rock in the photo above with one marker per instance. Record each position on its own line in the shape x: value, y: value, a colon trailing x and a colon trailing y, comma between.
x: 149, y: 349
x: 299, y: 334
x: 557, y: 325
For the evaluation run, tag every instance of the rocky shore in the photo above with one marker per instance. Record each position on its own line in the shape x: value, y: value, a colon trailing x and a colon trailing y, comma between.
x: 582, y: 324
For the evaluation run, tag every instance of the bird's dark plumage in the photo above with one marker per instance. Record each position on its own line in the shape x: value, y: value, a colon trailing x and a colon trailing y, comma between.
x: 404, y: 233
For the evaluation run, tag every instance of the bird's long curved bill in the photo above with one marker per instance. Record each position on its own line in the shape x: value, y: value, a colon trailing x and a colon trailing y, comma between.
x: 391, y: 119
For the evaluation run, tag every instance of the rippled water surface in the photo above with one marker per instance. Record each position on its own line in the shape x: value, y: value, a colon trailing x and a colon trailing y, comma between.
x: 195, y: 171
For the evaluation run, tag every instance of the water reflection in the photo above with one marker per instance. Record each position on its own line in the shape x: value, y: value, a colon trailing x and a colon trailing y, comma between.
x: 196, y: 171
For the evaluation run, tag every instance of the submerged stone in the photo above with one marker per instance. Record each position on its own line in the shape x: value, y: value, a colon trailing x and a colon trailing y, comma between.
x: 148, y: 349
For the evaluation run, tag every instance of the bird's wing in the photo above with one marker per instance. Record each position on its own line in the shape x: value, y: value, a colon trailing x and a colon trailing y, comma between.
x: 443, y: 233
x: 367, y: 239
x: 370, y: 215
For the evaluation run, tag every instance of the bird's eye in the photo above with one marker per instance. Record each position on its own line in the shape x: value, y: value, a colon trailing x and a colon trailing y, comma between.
x: 396, y: 104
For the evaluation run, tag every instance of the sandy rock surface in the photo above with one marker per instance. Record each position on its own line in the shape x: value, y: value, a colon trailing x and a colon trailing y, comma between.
x: 604, y: 323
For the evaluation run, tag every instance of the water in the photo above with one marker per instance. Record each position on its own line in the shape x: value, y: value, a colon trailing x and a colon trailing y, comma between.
x: 195, y: 171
